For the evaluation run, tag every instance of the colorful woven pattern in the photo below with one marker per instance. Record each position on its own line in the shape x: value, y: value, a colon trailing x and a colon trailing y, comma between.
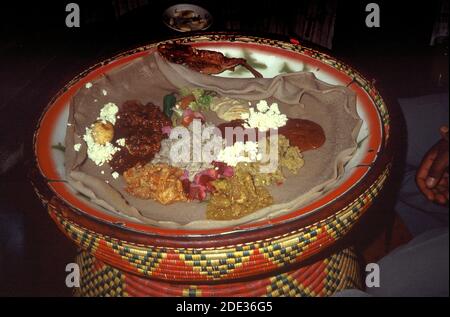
x: 220, y: 263
x: 323, y: 278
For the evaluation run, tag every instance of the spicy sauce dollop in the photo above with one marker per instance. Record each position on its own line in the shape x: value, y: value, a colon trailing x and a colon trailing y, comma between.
x: 305, y: 134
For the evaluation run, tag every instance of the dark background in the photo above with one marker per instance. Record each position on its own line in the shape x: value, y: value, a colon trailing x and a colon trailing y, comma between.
x: 39, y: 55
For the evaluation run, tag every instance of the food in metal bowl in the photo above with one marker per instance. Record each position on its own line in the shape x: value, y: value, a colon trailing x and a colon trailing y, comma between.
x: 187, y: 18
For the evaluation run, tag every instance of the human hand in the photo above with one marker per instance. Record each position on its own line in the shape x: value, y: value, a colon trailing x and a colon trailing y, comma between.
x: 432, y: 175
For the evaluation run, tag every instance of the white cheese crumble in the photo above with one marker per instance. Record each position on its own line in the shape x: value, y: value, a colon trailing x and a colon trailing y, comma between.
x: 239, y: 152
x: 265, y: 117
x: 77, y: 147
x: 108, y: 113
x: 98, y: 153
x: 88, y: 85
x: 121, y: 142
x: 115, y: 175
x: 104, y: 92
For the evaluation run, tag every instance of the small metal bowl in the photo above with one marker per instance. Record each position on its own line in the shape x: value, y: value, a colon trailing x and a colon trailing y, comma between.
x: 187, y: 18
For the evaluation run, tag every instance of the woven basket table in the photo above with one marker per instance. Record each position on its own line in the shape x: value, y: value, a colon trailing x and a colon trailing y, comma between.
x: 264, y: 258
x: 323, y: 278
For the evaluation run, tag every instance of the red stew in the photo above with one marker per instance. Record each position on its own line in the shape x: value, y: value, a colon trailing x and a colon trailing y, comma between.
x: 305, y: 134
x: 141, y: 126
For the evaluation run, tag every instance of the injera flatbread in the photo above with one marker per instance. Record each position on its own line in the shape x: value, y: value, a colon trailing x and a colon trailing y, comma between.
x: 150, y: 78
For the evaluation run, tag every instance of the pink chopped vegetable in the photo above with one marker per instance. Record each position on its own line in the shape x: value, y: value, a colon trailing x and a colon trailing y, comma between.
x: 202, y: 183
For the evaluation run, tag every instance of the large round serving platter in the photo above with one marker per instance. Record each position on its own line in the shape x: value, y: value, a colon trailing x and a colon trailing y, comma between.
x: 364, y: 175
